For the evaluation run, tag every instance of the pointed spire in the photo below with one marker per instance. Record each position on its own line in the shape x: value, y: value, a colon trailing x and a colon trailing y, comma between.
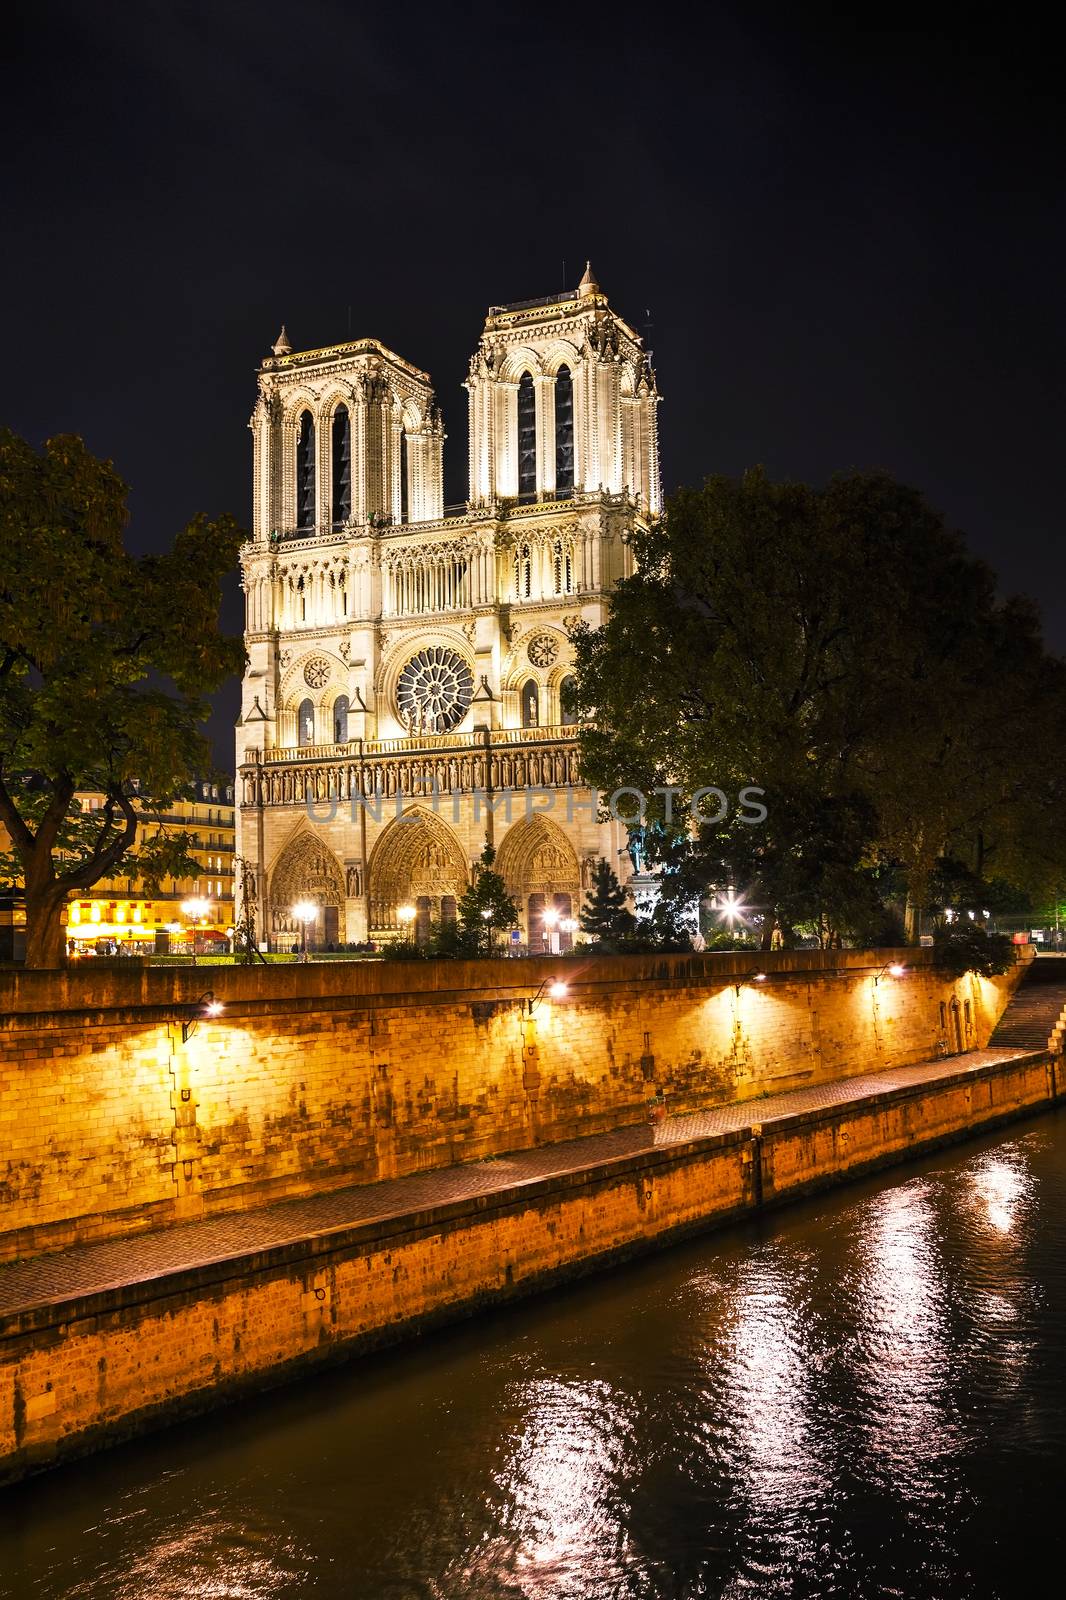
x: 282, y: 347
x: 588, y: 284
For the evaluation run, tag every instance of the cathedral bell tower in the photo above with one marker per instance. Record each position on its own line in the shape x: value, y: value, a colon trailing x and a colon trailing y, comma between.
x: 562, y: 400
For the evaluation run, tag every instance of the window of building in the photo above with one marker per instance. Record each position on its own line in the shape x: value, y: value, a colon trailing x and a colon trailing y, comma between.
x: 305, y: 724
x: 301, y: 596
x: 567, y: 709
x: 523, y: 572
x: 527, y: 436
x: 305, y: 473
x: 340, y: 719
x: 564, y: 431
x: 530, y: 704
x: 342, y: 466
x: 404, y: 470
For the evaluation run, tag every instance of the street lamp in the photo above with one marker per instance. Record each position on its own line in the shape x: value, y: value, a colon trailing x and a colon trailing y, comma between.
x: 197, y: 911
x: 550, y: 919
x: 305, y: 912
x: 557, y: 989
x: 487, y: 917
x: 405, y: 916
x: 208, y: 1005
x: 569, y: 925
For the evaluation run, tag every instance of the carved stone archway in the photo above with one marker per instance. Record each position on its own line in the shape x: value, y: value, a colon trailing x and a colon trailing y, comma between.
x: 538, y: 864
x: 306, y: 869
x: 417, y: 861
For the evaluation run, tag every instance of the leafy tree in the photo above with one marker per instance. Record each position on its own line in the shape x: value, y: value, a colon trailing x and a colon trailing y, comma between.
x: 838, y: 648
x: 104, y: 659
x: 486, y: 905
x: 605, y: 914
x: 961, y: 947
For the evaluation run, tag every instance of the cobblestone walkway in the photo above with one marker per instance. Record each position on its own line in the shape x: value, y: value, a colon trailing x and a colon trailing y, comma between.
x: 90, y: 1268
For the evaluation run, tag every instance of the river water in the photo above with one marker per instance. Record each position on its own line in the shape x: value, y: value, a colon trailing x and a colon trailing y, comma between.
x: 862, y: 1396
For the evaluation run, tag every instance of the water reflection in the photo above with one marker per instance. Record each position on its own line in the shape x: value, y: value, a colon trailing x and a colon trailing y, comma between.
x: 850, y: 1401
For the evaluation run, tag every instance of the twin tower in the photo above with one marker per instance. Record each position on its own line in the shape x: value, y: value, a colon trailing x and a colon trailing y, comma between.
x: 401, y: 648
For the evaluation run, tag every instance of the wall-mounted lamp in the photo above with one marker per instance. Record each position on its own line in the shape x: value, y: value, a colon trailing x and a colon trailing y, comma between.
x: 557, y: 990
x: 895, y: 969
x: 754, y: 976
x: 206, y: 1006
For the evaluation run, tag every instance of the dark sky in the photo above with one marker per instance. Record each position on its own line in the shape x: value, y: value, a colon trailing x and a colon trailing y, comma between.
x: 849, y: 233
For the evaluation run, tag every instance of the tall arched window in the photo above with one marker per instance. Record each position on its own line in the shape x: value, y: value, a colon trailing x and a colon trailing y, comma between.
x: 564, y: 431
x: 530, y: 704
x: 342, y: 466
x: 340, y: 719
x: 527, y: 436
x: 523, y: 572
x: 405, y: 456
x: 305, y: 720
x: 567, y: 709
x: 305, y: 473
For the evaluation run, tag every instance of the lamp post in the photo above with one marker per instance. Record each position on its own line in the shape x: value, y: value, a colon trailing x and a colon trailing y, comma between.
x: 305, y: 913
x: 405, y: 916
x: 549, y: 918
x: 198, y: 911
x: 569, y: 926
x: 487, y: 918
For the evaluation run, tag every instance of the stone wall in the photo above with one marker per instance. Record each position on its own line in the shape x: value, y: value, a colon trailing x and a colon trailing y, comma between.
x: 78, y: 1374
x: 325, y: 1075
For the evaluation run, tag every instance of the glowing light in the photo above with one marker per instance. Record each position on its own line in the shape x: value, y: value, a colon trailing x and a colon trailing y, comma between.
x: 569, y: 925
x: 897, y: 969
x: 95, y: 913
x: 559, y: 990
x: 406, y: 913
x: 213, y: 1008
x: 304, y: 911
x: 550, y: 917
x: 197, y: 909
x: 732, y: 908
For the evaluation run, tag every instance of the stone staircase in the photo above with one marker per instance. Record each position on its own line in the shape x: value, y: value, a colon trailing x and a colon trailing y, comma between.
x: 1036, y: 1017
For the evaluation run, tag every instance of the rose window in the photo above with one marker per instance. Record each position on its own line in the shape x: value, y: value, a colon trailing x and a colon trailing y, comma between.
x: 316, y: 672
x: 435, y: 690
x: 542, y: 649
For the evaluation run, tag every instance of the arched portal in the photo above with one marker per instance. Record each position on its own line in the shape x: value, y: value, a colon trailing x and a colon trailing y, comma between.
x: 307, y: 869
x: 537, y: 863
x: 417, y: 862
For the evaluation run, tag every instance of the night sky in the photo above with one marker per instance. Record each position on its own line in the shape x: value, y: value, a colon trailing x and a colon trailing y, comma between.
x: 849, y: 235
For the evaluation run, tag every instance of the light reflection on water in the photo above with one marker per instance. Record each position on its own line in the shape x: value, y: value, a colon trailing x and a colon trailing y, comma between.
x: 861, y: 1397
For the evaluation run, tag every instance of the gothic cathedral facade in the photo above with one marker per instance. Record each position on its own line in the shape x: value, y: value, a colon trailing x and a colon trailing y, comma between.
x: 405, y: 694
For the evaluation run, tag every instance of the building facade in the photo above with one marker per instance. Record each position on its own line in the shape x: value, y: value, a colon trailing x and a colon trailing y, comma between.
x: 117, y: 915
x: 405, y: 695
x: 183, y: 914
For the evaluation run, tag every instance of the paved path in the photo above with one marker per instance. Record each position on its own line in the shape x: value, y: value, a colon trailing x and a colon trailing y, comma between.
x: 91, y: 1268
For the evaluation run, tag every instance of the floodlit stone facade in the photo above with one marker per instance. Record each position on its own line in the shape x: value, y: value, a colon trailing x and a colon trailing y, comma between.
x: 405, y: 691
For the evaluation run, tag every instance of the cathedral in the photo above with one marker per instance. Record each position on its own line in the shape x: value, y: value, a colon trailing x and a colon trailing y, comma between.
x: 405, y: 694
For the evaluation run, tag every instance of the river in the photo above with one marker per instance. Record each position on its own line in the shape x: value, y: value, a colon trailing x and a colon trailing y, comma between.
x: 862, y: 1396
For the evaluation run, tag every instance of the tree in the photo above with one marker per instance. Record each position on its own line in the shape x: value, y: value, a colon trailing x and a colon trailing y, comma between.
x: 961, y: 947
x: 104, y: 659
x: 605, y: 914
x: 839, y: 649
x: 486, y: 905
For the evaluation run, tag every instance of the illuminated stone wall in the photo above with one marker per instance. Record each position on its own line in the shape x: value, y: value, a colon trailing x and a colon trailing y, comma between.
x: 79, y: 1375
x: 321, y: 1076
